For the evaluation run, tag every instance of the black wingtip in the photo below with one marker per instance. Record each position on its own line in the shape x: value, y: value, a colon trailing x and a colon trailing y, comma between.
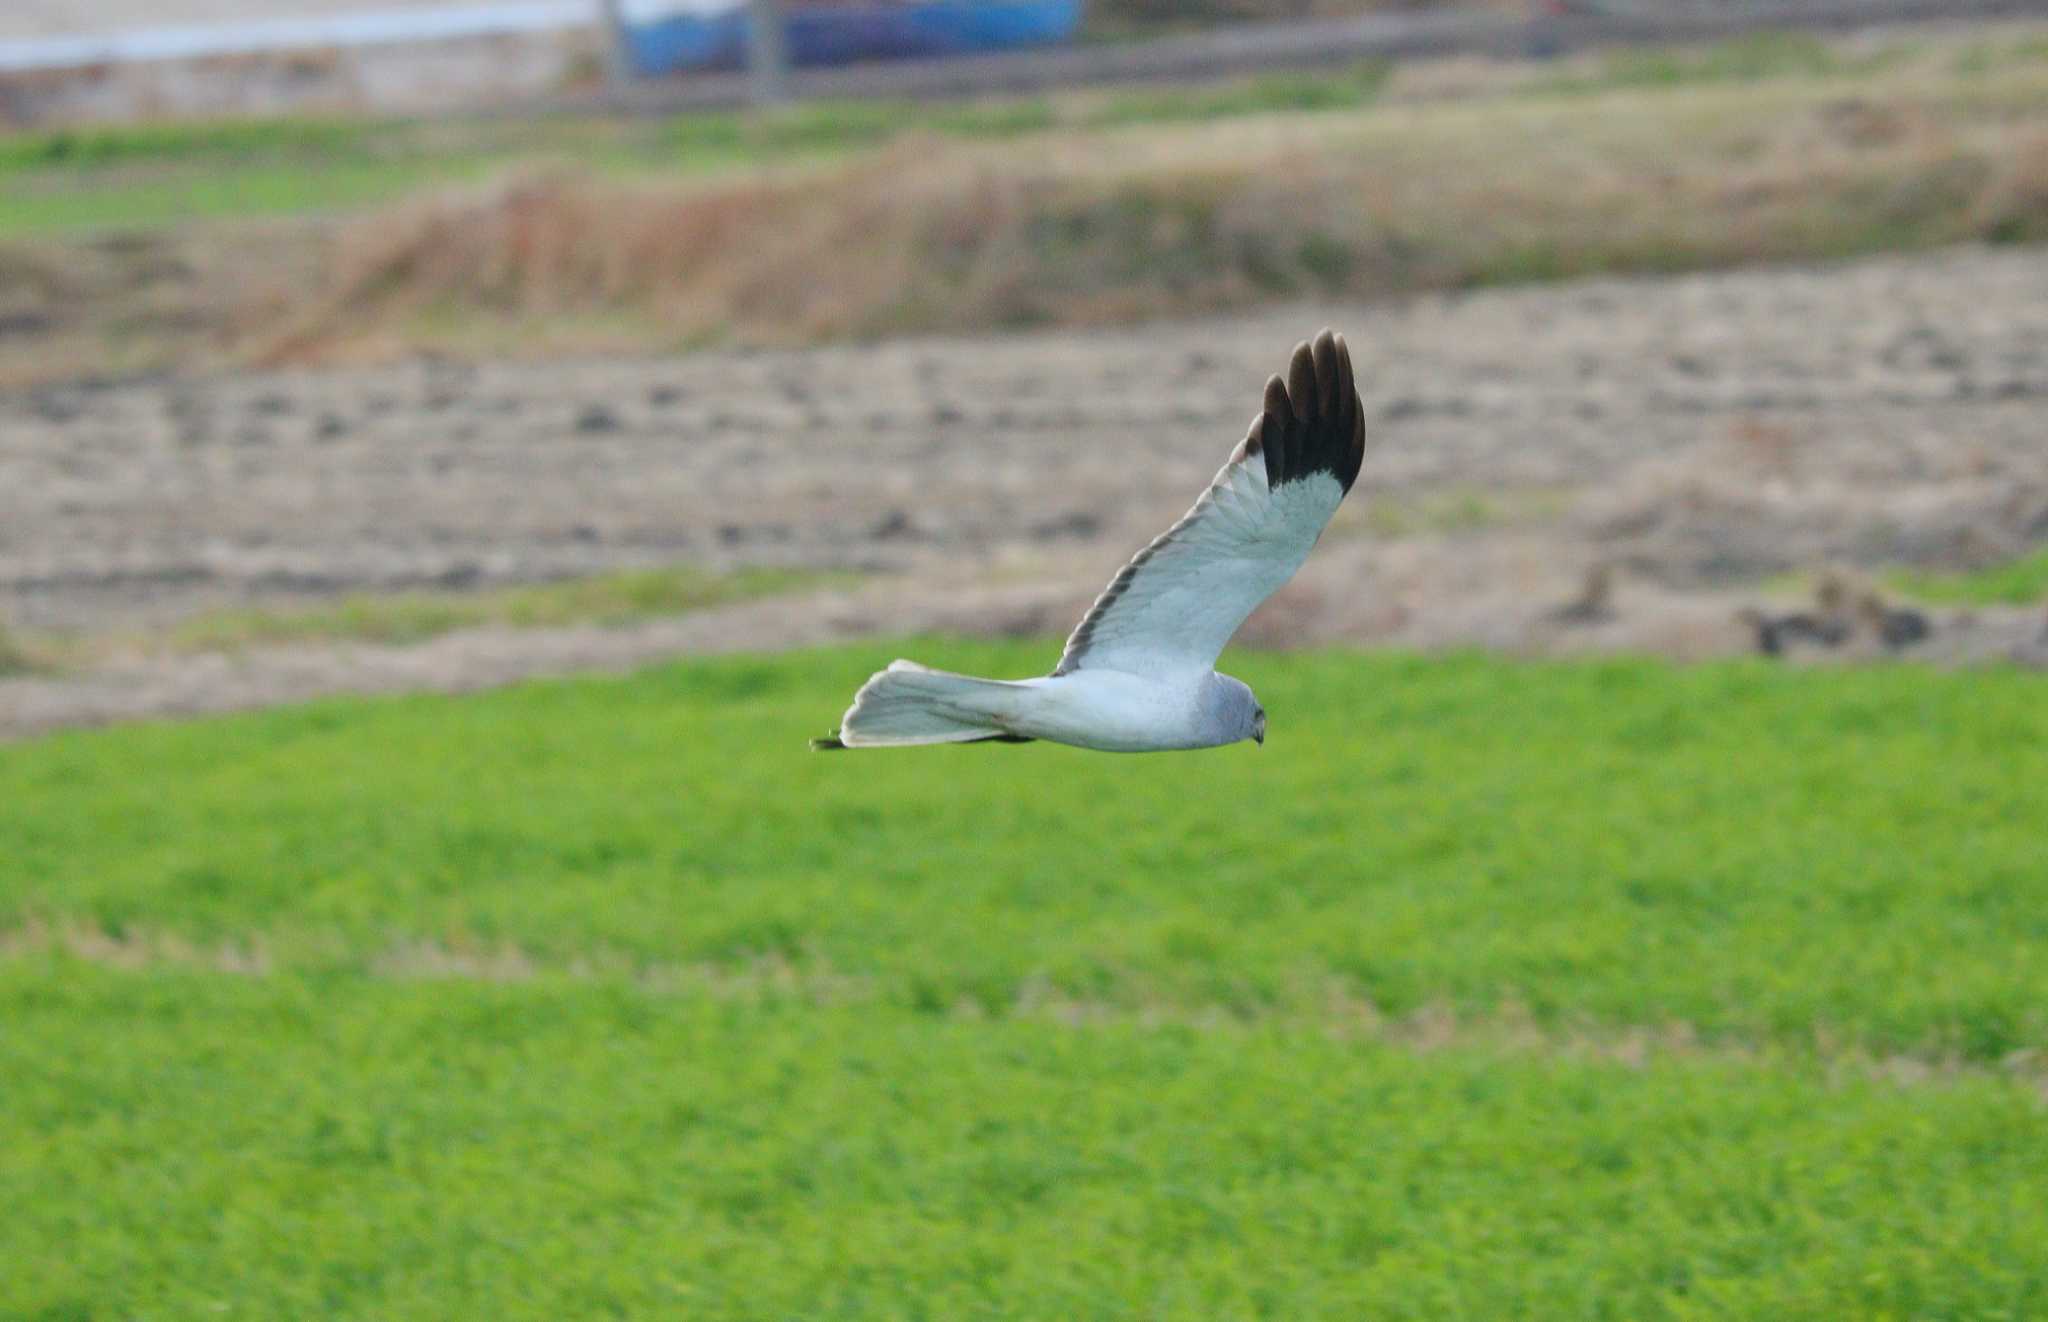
x: 1313, y: 422
x: 1276, y: 399
x: 830, y: 743
x: 1302, y: 391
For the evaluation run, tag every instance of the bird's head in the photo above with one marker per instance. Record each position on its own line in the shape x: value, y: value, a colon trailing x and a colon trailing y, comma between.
x: 1233, y: 711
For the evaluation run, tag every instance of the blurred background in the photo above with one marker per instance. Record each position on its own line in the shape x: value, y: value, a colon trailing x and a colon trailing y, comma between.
x: 1637, y: 910
x: 1680, y: 322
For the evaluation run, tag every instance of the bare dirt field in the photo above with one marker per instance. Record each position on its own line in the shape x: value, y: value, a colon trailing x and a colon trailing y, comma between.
x: 1699, y: 437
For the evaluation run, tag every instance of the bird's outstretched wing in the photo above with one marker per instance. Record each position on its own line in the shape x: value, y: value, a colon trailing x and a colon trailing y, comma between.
x: 1178, y: 601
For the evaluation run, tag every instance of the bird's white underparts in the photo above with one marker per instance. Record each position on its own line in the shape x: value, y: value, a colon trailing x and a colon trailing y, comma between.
x: 1138, y: 674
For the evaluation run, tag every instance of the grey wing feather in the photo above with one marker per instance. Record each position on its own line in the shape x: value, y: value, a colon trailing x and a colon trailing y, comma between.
x: 1180, y: 599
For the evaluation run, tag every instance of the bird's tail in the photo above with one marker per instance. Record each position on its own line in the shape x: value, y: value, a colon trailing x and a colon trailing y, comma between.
x: 910, y: 704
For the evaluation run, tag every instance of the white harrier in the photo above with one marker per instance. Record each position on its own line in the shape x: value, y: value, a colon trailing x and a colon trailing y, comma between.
x: 1138, y: 674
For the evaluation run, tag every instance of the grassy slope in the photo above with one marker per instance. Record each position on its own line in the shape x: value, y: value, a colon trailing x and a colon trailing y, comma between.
x: 1112, y: 222
x: 132, y: 177
x: 16, y: 657
x: 400, y: 618
x: 410, y: 617
x: 606, y: 996
x: 1079, y: 208
x: 136, y: 175
x: 2014, y: 583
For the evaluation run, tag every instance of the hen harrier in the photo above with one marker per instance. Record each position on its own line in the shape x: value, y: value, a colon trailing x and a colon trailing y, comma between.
x: 1138, y: 673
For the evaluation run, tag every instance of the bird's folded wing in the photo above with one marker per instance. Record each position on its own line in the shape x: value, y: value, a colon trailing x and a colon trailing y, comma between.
x: 1178, y: 601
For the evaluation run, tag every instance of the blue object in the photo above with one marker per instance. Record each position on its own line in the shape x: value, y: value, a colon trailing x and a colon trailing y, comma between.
x: 845, y: 34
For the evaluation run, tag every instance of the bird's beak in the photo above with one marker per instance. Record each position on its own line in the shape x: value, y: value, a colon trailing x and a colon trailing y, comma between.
x: 1260, y: 738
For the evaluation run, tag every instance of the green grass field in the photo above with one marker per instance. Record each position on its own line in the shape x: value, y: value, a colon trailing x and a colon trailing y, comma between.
x: 1485, y: 990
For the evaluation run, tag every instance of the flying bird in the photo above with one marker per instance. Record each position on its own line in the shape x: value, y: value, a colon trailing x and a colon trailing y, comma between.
x: 1138, y: 673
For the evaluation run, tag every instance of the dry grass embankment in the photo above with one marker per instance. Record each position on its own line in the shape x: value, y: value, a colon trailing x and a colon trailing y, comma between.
x: 1112, y: 224
x: 181, y: 245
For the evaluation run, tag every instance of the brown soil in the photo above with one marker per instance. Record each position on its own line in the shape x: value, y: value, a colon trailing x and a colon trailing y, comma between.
x: 1698, y: 436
